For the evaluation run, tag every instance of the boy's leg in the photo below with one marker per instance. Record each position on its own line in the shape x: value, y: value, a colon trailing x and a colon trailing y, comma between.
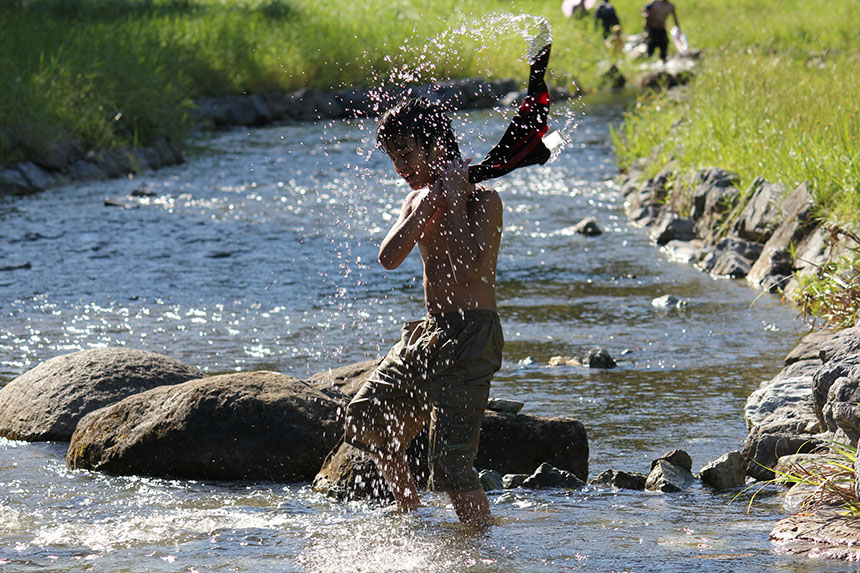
x: 472, y: 507
x: 395, y: 470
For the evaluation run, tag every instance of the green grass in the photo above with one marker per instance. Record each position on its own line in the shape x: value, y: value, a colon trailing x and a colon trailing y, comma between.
x: 776, y: 97
x: 126, y: 71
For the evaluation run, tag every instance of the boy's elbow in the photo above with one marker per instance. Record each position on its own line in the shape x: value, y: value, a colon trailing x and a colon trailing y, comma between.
x: 387, y: 262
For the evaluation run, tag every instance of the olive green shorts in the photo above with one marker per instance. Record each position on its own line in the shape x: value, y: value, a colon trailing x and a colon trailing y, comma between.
x: 439, y: 373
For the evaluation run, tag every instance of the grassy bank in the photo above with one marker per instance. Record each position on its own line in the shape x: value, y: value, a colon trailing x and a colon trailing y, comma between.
x: 777, y: 96
x: 125, y: 71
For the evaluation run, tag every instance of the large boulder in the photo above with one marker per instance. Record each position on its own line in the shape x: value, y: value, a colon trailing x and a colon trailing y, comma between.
x: 518, y: 443
x: 510, y: 444
x: 47, y: 402
x: 780, y: 413
x: 242, y: 426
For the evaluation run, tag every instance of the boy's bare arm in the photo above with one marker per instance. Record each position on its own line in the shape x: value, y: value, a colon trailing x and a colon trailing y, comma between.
x: 469, y: 236
x: 417, y: 210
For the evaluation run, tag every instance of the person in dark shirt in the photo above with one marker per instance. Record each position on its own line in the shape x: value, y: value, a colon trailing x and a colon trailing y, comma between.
x: 605, y: 15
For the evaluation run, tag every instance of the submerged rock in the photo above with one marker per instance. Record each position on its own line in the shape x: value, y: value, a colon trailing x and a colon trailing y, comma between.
x: 547, y: 476
x: 243, y: 426
x: 620, y: 479
x: 598, y: 358
x: 47, y: 402
x: 588, y: 227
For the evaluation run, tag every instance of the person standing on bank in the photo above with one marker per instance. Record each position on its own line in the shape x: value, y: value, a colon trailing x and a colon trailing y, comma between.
x: 439, y: 373
x: 605, y: 15
x: 656, y: 14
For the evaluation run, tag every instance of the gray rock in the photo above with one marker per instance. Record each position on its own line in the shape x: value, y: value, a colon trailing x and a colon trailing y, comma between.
x: 777, y: 397
x: 613, y: 78
x: 668, y: 301
x: 247, y: 110
x: 843, y: 406
x: 598, y: 358
x: 13, y: 180
x: 664, y: 79
x: 547, y: 476
x: 47, y: 402
x: 511, y: 481
x: 82, y: 170
x: 667, y: 477
x: 730, y: 257
x: 760, y: 216
x: 772, y: 270
x: 795, y: 225
x: 504, y: 406
x: 683, y: 251
x: 241, y: 426
x: 811, y: 253
x: 350, y: 474
x: 671, y: 227
x: 714, y: 192
x: 676, y: 457
x: 825, y: 533
x: 344, y: 382
x: 588, y: 227
x: 620, y: 479
x: 762, y: 449
x: 36, y: 177
x: 310, y: 104
x: 491, y: 480
x: 726, y: 472
x: 823, y: 380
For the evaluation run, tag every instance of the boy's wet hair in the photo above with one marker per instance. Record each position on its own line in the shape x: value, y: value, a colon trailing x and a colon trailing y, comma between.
x: 422, y: 119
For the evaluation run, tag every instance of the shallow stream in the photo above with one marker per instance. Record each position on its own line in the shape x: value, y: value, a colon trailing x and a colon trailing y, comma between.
x: 259, y: 253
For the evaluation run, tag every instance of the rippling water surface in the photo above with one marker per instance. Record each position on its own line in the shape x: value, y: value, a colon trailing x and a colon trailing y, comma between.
x: 259, y: 253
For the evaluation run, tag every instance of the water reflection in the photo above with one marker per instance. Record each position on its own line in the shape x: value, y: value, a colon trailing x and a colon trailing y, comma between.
x: 260, y: 253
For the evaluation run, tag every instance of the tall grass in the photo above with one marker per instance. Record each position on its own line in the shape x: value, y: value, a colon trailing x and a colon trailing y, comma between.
x: 109, y: 71
x: 777, y: 97
x: 780, y: 118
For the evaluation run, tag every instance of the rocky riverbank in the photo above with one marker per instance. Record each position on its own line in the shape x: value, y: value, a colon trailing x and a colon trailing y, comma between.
x: 768, y: 237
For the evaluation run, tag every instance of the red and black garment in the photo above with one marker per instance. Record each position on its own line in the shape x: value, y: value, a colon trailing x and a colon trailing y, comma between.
x: 522, y: 144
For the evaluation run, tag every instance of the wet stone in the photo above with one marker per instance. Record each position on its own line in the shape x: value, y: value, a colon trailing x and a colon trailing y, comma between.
x: 547, y: 476
x: 588, y: 227
x: 598, y: 358
x: 511, y: 481
x: 620, y: 479
x: 505, y: 406
x: 491, y: 480
x: 666, y: 477
x: 726, y: 472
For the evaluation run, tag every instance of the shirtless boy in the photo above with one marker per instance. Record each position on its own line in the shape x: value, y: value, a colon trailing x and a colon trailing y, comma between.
x: 656, y: 14
x: 439, y: 373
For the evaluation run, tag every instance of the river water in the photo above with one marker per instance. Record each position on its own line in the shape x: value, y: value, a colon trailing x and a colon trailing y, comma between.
x: 259, y: 253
